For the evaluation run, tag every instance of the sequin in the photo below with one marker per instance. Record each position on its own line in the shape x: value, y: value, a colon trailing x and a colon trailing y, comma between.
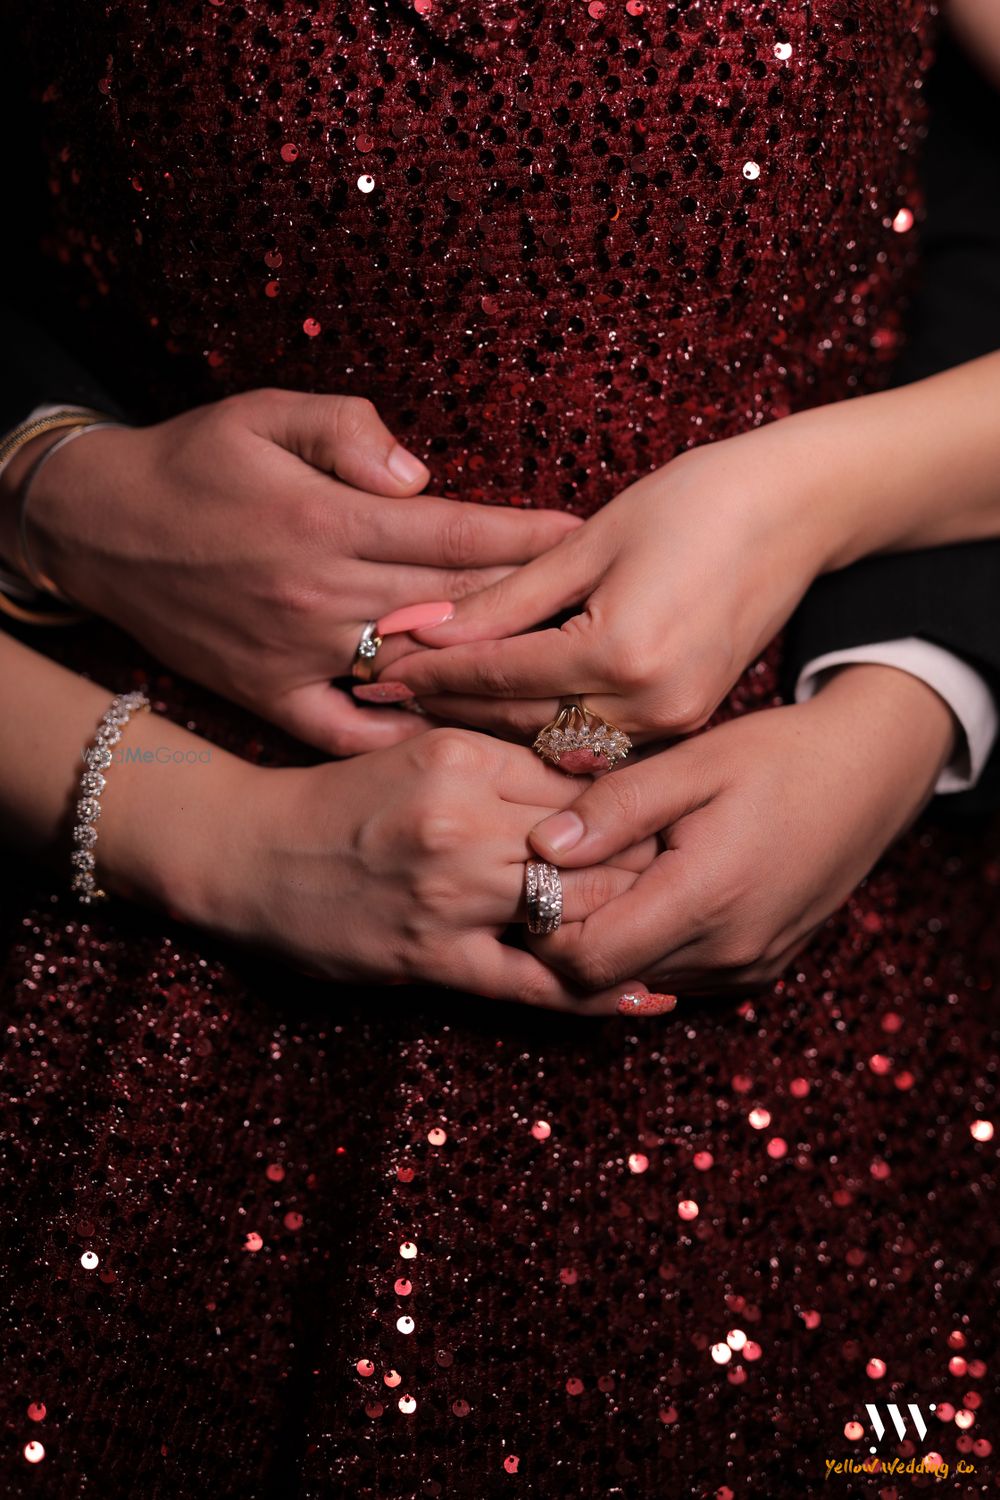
x: 88, y: 1260
x: 405, y: 1324
x: 561, y: 280
x: 981, y: 1130
x: 751, y: 170
x: 407, y: 1404
x: 437, y: 1136
x: 721, y: 1353
x: 365, y: 1367
x: 392, y: 1378
x: 34, y: 1452
x: 36, y: 1411
x: 638, y: 1163
x: 366, y: 183
x: 782, y: 51
x: 760, y: 1119
x: 875, y: 1369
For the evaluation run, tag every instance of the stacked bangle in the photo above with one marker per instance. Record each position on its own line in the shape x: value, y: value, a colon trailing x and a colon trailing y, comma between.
x: 88, y: 809
x: 21, y: 591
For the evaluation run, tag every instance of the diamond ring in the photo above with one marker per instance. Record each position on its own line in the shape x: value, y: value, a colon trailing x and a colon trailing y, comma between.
x: 363, y: 665
x: 543, y: 897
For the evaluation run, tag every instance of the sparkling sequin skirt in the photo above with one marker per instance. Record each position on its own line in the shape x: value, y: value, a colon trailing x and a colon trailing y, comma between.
x: 269, y: 1237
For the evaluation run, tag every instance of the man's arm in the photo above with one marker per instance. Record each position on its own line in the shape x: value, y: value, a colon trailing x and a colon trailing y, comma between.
x: 946, y: 596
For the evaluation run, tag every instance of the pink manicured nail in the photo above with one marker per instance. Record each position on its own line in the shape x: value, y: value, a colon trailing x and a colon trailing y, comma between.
x: 415, y: 617
x: 646, y: 1005
x: 561, y: 831
x: 383, y: 692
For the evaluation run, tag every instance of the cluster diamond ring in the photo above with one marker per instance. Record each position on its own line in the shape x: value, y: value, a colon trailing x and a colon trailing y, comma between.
x: 543, y: 895
x: 581, y: 742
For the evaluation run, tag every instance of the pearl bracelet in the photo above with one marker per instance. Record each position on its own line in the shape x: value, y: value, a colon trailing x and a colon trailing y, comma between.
x: 98, y: 758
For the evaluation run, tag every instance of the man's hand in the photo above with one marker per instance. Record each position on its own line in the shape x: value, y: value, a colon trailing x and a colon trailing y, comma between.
x: 247, y: 543
x: 769, y: 822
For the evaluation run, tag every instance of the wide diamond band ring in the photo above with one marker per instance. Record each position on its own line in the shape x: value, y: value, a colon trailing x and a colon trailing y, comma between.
x: 363, y: 665
x: 581, y: 742
x: 543, y: 895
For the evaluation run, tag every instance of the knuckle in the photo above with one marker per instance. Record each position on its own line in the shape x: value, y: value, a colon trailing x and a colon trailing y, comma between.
x: 742, y: 949
x: 689, y: 709
x: 433, y: 830
x: 353, y: 418
x: 458, y: 540
x: 442, y: 752
x: 492, y: 676
x: 534, y: 992
x: 633, y: 661
x: 593, y: 888
x: 596, y: 971
x: 617, y: 796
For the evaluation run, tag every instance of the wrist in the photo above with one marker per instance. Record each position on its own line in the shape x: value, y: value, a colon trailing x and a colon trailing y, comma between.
x: 176, y: 824
x: 907, y: 725
x: 71, y: 522
x: 11, y: 478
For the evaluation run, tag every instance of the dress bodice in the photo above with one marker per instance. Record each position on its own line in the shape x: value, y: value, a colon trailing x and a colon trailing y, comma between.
x: 554, y: 244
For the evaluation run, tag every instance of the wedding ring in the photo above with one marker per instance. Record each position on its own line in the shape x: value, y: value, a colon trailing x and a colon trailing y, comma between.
x: 580, y: 742
x: 543, y: 896
x: 363, y: 665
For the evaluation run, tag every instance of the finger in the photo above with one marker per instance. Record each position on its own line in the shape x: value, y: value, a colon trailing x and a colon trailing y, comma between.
x: 626, y: 805
x: 585, y: 891
x: 490, y: 968
x: 518, y: 720
x: 561, y: 577
x: 662, y: 910
x: 342, y: 435
x: 456, y: 534
x: 544, y: 664
x: 322, y: 715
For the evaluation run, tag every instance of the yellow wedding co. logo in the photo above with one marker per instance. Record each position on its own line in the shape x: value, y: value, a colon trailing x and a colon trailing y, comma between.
x: 891, y: 1424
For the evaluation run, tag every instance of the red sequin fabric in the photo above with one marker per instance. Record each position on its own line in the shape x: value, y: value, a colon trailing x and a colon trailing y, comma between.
x: 269, y: 1238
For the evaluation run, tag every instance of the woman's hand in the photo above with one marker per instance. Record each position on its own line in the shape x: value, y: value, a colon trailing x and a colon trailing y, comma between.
x: 689, y: 573
x: 246, y: 544
x: 403, y: 865
x: 769, y: 822
x: 683, y: 579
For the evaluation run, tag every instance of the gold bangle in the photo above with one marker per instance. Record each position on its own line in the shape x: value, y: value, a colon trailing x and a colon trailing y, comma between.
x: 26, y: 432
x: 25, y: 615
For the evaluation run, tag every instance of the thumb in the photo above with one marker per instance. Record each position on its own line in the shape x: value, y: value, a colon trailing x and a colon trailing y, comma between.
x: 344, y: 435
x: 622, y: 808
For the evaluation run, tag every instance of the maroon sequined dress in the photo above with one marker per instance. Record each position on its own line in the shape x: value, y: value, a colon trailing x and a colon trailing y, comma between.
x: 264, y: 1237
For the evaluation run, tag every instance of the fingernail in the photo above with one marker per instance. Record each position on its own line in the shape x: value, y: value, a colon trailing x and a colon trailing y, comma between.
x: 415, y: 617
x: 405, y: 466
x: 561, y: 831
x: 646, y: 1005
x: 382, y: 692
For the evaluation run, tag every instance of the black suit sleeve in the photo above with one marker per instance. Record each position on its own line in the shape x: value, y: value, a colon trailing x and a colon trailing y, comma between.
x: 948, y: 595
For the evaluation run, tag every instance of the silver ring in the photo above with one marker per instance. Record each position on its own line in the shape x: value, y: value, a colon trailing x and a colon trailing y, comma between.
x: 543, y: 895
x: 363, y: 665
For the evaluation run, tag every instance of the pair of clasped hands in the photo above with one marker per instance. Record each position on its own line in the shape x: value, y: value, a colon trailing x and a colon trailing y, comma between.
x: 247, y: 542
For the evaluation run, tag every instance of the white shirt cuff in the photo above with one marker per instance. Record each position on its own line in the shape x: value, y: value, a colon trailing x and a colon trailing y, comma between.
x: 961, y: 687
